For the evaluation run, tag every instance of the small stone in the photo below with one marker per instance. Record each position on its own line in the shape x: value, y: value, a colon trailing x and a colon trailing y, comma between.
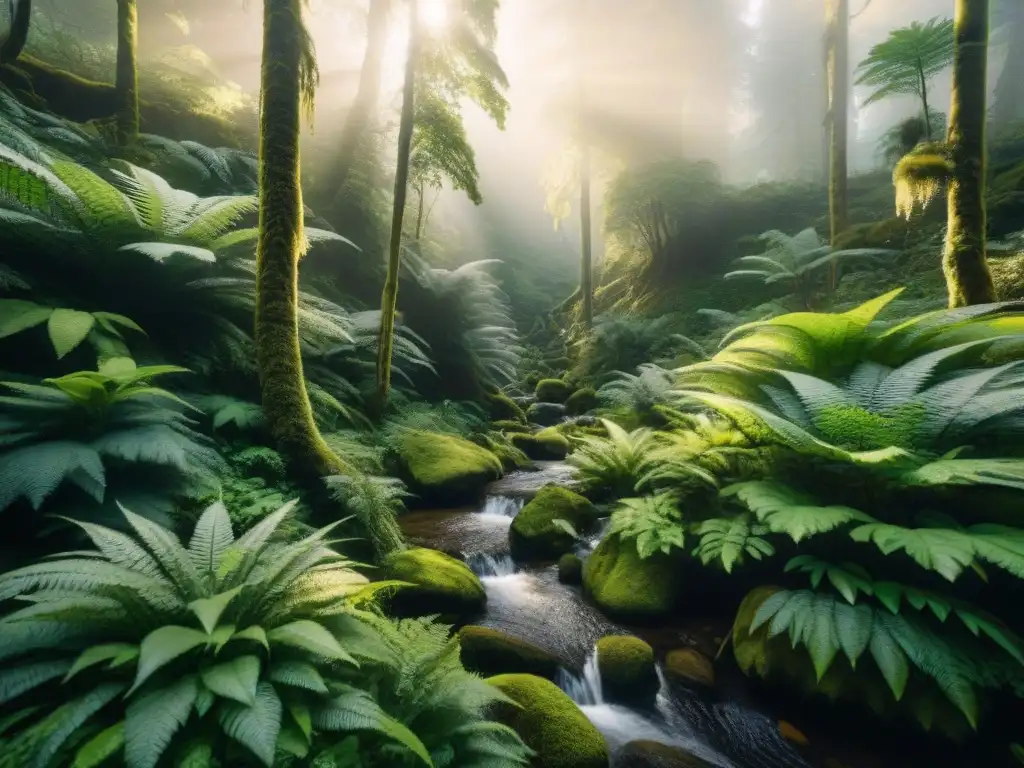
x: 792, y: 734
x: 689, y: 666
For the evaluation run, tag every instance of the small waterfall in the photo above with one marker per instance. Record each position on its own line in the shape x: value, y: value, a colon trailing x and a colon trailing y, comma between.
x: 585, y: 690
x: 486, y: 565
x: 503, y: 506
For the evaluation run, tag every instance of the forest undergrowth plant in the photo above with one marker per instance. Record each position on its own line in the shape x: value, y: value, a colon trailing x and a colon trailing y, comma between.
x: 888, y: 431
x: 625, y: 342
x: 801, y: 261
x: 147, y: 649
x: 112, y: 434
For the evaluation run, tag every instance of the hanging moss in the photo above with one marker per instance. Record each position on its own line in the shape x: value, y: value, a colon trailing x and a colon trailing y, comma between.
x: 920, y: 175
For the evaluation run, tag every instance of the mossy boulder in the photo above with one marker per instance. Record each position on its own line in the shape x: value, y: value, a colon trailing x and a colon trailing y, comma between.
x: 628, y: 672
x: 552, y: 391
x: 570, y: 569
x: 441, y: 584
x: 504, y: 408
x: 490, y: 652
x: 545, y: 414
x: 550, y: 723
x: 445, y: 469
x: 504, y: 425
x: 689, y: 667
x: 535, y: 535
x: 546, y: 445
x: 628, y: 588
x: 581, y: 401
x: 651, y: 754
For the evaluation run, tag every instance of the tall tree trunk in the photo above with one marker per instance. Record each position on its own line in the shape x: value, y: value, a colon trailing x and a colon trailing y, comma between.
x: 14, y: 43
x: 420, y: 192
x: 127, y: 82
x: 586, y: 260
x: 364, y: 107
x: 281, y: 241
x: 1008, y: 104
x: 967, y: 275
x: 389, y: 299
x: 839, y: 87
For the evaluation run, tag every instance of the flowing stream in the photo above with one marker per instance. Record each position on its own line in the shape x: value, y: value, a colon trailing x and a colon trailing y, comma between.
x: 529, y: 602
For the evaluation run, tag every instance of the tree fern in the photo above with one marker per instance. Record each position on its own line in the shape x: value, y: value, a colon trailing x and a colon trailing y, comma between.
x: 185, y: 630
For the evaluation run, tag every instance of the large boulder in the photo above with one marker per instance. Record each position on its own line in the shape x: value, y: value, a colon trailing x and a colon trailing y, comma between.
x: 546, y: 445
x: 552, y: 391
x: 651, y: 754
x: 689, y: 667
x: 628, y: 588
x: 627, y: 668
x: 502, y: 407
x: 535, y: 534
x: 445, y: 469
x: 490, y: 652
x: 545, y: 414
x: 550, y: 723
x: 441, y: 584
x: 581, y: 401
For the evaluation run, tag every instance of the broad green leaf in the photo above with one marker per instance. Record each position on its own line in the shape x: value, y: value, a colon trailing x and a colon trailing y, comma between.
x: 356, y: 711
x: 100, y: 747
x: 235, y: 679
x: 944, y: 551
x: 154, y: 717
x: 255, y: 727
x: 891, y: 661
x: 310, y: 636
x: 99, y: 653
x: 163, y: 645
x: 68, y: 328
x: 17, y: 315
x: 255, y: 634
x: 209, y: 609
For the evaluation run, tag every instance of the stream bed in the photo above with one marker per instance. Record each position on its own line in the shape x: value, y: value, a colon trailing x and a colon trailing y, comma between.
x: 529, y: 602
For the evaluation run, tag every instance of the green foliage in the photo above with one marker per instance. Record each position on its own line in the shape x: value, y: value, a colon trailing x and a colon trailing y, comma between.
x: 731, y: 540
x: 639, y: 393
x: 624, y: 342
x: 905, y: 61
x: 614, y: 465
x: 655, y: 522
x: 800, y: 261
x: 376, y: 502
x: 214, y: 639
x: 111, y: 433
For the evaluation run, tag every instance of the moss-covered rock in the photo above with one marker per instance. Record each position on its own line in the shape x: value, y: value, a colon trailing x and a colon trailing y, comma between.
x: 546, y: 445
x: 445, y: 469
x: 504, y: 425
x: 442, y: 584
x: 581, y: 401
x: 550, y: 723
x: 552, y: 391
x: 535, y: 535
x: 689, y: 667
x: 651, y: 754
x: 627, y: 668
x: 490, y: 652
x: 545, y: 414
x: 504, y: 408
x: 570, y: 569
x: 627, y: 588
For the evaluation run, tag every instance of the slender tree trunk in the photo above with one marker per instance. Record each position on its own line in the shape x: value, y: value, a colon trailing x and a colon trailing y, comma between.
x: 924, y: 101
x: 361, y: 115
x: 419, y: 210
x: 586, y: 261
x: 389, y: 299
x: 1008, y: 104
x: 14, y: 43
x: 127, y: 82
x: 281, y: 240
x: 967, y: 274
x: 838, y: 75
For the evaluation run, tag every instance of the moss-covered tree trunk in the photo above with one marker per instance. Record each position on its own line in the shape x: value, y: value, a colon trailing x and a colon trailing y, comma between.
x: 14, y: 43
x: 587, y: 259
x: 389, y: 299
x: 967, y: 275
x: 126, y: 83
x: 360, y: 116
x: 839, y: 104
x: 281, y: 240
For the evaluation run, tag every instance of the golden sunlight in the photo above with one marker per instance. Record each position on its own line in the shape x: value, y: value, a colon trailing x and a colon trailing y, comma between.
x: 434, y: 14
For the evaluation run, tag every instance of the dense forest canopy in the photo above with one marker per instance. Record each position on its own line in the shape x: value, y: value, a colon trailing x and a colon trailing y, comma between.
x: 481, y: 384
